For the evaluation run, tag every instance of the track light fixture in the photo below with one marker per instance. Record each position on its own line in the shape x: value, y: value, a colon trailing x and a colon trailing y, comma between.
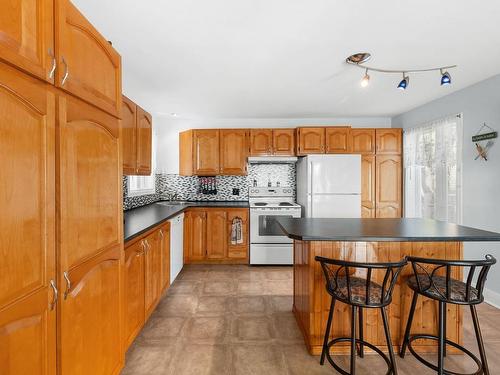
x: 359, y: 59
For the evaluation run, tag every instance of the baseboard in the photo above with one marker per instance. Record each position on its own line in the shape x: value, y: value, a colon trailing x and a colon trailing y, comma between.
x: 492, y: 298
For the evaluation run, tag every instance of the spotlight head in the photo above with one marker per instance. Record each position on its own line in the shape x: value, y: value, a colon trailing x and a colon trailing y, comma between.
x: 366, y: 79
x: 445, y: 78
x: 404, y: 82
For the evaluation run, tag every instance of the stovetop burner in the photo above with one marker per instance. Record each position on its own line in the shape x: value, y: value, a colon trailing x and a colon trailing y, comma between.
x: 260, y: 203
x: 285, y: 204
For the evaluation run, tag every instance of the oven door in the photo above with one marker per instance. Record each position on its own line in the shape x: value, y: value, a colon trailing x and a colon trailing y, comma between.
x: 264, y: 229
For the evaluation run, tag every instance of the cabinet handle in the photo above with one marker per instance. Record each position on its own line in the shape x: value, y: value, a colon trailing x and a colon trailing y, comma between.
x: 68, y: 284
x: 161, y: 234
x: 66, y: 72
x: 54, y: 64
x: 56, y: 295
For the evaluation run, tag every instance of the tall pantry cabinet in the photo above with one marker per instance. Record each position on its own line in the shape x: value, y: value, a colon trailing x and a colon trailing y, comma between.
x: 62, y: 242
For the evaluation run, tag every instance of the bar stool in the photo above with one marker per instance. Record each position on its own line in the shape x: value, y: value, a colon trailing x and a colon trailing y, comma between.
x: 442, y: 288
x: 359, y: 293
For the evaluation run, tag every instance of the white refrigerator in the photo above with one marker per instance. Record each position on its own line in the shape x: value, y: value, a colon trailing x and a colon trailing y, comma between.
x: 329, y: 186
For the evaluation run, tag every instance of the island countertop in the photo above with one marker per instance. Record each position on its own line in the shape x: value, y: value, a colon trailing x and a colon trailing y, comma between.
x: 381, y: 230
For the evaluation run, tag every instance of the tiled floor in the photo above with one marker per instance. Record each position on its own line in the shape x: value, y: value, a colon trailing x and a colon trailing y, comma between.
x: 224, y: 320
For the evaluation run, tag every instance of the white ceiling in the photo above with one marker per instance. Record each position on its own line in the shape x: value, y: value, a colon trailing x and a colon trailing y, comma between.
x: 285, y: 58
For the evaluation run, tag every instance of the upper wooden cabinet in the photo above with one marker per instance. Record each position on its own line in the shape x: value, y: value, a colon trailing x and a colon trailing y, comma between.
x: 199, y: 152
x: 261, y: 142
x: 389, y: 141
x: 88, y: 66
x: 363, y: 141
x: 144, y: 141
x: 27, y: 226
x: 27, y: 36
x: 129, y: 136
x: 233, y: 151
x: 311, y: 141
x: 284, y: 142
x: 338, y: 140
x: 388, y: 186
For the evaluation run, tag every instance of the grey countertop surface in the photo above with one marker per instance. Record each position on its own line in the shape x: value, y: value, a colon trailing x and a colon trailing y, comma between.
x: 139, y: 220
x: 405, y: 229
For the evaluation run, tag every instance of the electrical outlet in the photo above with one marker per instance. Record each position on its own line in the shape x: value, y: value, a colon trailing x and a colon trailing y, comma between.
x: 236, y: 191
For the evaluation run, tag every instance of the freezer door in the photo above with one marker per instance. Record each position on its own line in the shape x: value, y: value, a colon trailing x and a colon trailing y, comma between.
x: 336, y: 206
x: 335, y: 174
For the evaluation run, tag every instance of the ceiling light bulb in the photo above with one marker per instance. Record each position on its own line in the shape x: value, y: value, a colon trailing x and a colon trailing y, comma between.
x: 366, y: 79
x: 445, y: 78
x: 404, y: 82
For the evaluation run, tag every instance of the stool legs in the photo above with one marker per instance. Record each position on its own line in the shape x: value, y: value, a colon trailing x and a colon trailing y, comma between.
x: 361, y: 351
x: 389, y: 341
x: 441, y: 342
x: 353, y: 340
x: 406, y: 338
x: 479, y: 339
x: 327, y: 332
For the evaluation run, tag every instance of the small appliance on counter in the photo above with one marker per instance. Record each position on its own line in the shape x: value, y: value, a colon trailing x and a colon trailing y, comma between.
x: 268, y: 244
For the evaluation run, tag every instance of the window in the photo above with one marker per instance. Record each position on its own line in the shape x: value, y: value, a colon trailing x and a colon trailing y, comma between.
x: 143, y: 185
x: 433, y: 166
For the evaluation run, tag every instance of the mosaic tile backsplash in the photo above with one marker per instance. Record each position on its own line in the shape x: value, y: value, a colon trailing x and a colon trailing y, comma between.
x: 173, y: 186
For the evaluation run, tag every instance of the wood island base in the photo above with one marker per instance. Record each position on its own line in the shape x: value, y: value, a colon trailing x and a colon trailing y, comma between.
x: 311, y: 302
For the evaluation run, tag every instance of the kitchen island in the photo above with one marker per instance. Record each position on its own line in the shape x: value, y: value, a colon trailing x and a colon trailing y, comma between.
x: 373, y: 240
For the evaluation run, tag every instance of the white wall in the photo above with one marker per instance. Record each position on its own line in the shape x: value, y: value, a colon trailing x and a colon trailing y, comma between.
x: 167, y: 131
x: 481, y: 180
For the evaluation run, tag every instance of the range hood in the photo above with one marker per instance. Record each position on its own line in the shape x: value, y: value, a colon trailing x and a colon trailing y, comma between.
x: 272, y: 159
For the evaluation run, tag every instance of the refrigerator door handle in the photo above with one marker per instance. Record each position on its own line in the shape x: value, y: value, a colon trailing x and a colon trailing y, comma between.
x: 310, y: 190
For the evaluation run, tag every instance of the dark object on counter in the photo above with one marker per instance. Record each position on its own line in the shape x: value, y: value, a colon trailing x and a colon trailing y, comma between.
x: 359, y: 293
x: 428, y: 281
x: 208, y: 185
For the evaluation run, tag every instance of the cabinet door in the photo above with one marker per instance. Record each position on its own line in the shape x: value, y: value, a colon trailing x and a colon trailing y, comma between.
x: 261, y: 142
x: 134, y: 291
x: 237, y: 251
x: 144, y: 141
x: 363, y: 141
x: 27, y: 36
x: 206, y: 152
x: 90, y: 241
x: 389, y: 186
x: 90, y: 319
x: 217, y: 234
x: 27, y: 231
x: 165, y: 256
x: 338, y: 140
x: 389, y: 141
x: 129, y: 136
x: 88, y: 66
x: 233, y: 151
x: 311, y: 141
x: 152, y: 272
x: 284, y: 142
x: 198, y: 235
x: 368, y: 186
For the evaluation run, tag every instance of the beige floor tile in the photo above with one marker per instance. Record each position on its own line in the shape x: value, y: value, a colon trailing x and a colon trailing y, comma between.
x: 202, y: 360
x: 148, y: 360
x: 206, y: 328
x: 251, y: 287
x: 257, y: 360
x: 249, y: 305
x: 214, y: 287
x: 161, y: 330
x: 177, y: 305
x: 253, y: 328
x: 280, y: 303
x: 213, y: 305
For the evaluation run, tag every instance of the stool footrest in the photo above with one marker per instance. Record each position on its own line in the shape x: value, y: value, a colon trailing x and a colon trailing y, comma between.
x: 412, y: 338
x: 358, y: 342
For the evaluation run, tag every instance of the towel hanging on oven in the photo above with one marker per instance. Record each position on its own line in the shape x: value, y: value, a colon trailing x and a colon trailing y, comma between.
x: 237, y: 231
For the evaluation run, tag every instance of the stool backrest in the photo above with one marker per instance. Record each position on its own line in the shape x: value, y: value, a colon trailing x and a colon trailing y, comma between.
x: 426, y: 270
x: 340, y: 273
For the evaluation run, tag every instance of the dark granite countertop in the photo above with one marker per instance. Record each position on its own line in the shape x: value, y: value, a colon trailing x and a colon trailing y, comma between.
x: 139, y: 220
x: 418, y: 230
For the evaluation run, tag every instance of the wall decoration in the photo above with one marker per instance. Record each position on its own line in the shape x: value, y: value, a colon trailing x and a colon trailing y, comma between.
x: 483, y: 140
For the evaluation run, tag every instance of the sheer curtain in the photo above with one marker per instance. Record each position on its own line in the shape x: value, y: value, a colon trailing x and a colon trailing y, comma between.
x: 433, y: 170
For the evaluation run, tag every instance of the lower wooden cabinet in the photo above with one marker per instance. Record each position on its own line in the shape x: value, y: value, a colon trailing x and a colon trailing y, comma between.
x: 152, y: 266
x: 368, y: 186
x: 207, y: 236
x: 134, y: 291
x: 164, y: 233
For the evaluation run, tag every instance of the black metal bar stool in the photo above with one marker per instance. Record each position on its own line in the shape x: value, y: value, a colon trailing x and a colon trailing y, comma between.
x: 344, y: 284
x: 429, y: 281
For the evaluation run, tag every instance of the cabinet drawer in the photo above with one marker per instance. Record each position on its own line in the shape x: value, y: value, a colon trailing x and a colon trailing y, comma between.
x: 237, y: 253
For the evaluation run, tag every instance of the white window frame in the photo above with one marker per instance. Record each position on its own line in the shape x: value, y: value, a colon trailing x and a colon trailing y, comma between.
x: 144, y: 185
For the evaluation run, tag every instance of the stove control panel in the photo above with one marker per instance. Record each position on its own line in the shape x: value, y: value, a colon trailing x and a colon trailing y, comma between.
x: 270, y: 192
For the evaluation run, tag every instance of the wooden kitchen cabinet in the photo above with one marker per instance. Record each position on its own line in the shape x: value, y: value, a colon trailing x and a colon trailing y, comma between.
x: 216, y: 234
x: 388, y: 186
x: 164, y: 233
x: 195, y: 235
x: 338, y: 140
x: 389, y: 141
x: 27, y: 225
x: 129, y: 136
x: 233, y: 151
x: 206, y: 152
x: 237, y: 251
x: 27, y: 36
x: 368, y: 186
x: 144, y: 141
x: 152, y: 266
x: 134, y: 291
x: 88, y: 66
x: 310, y: 141
x: 90, y: 240
x: 284, y: 142
x: 363, y: 141
x: 261, y: 142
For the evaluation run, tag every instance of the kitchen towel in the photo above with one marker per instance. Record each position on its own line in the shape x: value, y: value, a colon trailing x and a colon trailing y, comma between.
x: 237, y: 231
